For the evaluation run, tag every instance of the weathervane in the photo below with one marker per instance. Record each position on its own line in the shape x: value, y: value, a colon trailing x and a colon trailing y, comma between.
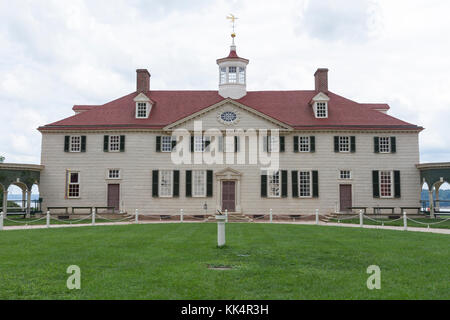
x: 233, y: 19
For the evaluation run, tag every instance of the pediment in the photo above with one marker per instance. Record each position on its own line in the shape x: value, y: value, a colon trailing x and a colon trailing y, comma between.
x: 142, y: 98
x: 228, y: 172
x: 320, y: 97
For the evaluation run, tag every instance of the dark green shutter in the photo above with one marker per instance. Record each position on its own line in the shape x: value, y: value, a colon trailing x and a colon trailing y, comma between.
x: 397, y: 187
x: 158, y: 144
x: 176, y: 183
x: 376, y: 183
x: 376, y: 143
x: 336, y: 144
x: 122, y: 143
x: 264, y: 186
x: 105, y: 143
x: 294, y: 176
x: 188, y: 183
x: 174, y: 143
x: 284, y: 183
x: 315, y: 185
x: 155, y: 183
x: 393, y: 145
x: 295, y: 143
x: 209, y: 183
x: 207, y: 143
x: 236, y: 144
x: 66, y: 143
x: 352, y: 144
x: 83, y: 143
x: 192, y: 144
x: 312, y: 144
x: 282, y: 144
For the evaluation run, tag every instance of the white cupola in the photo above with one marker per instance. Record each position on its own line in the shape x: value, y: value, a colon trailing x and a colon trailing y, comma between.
x: 232, y: 74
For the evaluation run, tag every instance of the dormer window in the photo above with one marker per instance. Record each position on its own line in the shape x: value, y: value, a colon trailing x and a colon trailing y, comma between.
x: 321, y: 110
x: 141, y: 110
x: 320, y: 105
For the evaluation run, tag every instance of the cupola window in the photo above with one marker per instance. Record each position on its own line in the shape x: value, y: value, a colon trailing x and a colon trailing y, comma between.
x: 241, y: 75
x: 232, y: 76
x: 223, y: 75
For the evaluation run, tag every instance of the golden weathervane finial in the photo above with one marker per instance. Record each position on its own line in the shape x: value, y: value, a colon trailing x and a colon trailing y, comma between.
x: 233, y: 19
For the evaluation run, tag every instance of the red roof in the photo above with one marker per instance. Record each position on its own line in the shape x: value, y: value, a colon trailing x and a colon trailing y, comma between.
x: 289, y: 107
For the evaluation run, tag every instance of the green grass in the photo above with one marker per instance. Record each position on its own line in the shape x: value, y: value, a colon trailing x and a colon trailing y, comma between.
x: 20, y: 221
x: 271, y: 261
x: 389, y: 222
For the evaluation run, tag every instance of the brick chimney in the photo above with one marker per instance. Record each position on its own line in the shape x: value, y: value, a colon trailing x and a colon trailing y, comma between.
x: 142, y: 80
x: 321, y: 80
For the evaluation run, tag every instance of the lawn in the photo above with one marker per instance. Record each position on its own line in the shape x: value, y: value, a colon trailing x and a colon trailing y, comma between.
x: 270, y: 261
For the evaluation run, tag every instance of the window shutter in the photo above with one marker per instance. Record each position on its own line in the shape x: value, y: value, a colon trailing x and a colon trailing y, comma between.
x: 264, y: 186
x: 376, y: 183
x: 336, y: 144
x: 282, y: 144
x: 352, y: 144
x: 393, y: 145
x: 209, y: 183
x: 174, y: 143
x: 236, y: 144
x: 397, y: 187
x: 294, y: 176
x: 295, y: 143
x: 192, y: 143
x: 315, y: 186
x: 176, y: 183
x: 284, y: 183
x: 207, y: 143
x: 188, y: 183
x: 83, y: 143
x: 312, y: 144
x: 265, y: 144
x: 66, y: 143
x: 376, y: 143
x: 155, y: 183
x: 220, y: 143
x: 122, y: 143
x: 158, y: 144
x: 105, y: 143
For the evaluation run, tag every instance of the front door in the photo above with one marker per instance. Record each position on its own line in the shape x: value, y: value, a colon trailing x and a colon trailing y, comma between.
x: 345, y: 192
x: 114, y: 196
x: 228, y: 196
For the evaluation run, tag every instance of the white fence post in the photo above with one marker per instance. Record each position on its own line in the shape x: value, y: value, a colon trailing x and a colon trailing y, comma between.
x: 48, y: 219
x: 226, y: 215
x: 181, y: 215
x: 405, y: 221
x: 1, y: 220
x: 136, y: 216
x: 317, y: 216
x: 361, y: 218
x: 271, y: 216
x: 93, y: 217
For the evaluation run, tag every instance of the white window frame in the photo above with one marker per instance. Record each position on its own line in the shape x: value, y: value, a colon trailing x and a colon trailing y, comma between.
x: 69, y: 183
x: 274, y: 144
x: 321, y: 109
x: 272, y: 182
x: 111, y: 176
x: 235, y: 79
x: 300, y: 183
x: 344, y: 144
x: 304, y: 144
x: 111, y: 143
x: 160, y: 189
x: 384, y: 144
x: 342, y: 174
x: 195, y: 187
x: 200, y: 145
x: 391, y: 184
x: 241, y: 75
x: 139, y: 106
x: 73, y: 144
x: 222, y: 75
x: 166, y: 141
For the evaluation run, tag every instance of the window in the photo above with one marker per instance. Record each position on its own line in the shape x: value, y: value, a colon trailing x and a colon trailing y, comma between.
x: 165, y: 183
x: 199, y: 183
x: 73, y: 188
x: 386, y: 184
x: 166, y: 144
x: 141, y: 111
x: 274, y: 185
x: 304, y: 178
x: 303, y: 144
x: 223, y: 75
x: 344, y: 144
x: 75, y: 144
x: 228, y: 116
x: 385, y: 144
x: 114, y: 143
x: 199, y: 144
x: 232, y: 77
x: 113, y: 174
x: 345, y: 174
x: 321, y: 110
x: 274, y: 144
x: 241, y: 75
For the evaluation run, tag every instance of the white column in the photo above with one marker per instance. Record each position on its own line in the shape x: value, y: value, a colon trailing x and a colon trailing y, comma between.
x: 181, y: 215
x: 1, y: 220
x: 226, y: 215
x: 93, y: 217
x: 28, y: 212
x: 136, y: 216
x: 270, y: 212
x: 361, y: 218
x: 437, y: 197
x: 5, y: 202
x: 220, y: 233
x: 430, y: 200
x: 23, y: 205
x: 48, y: 219
x: 317, y: 216
x: 405, y: 221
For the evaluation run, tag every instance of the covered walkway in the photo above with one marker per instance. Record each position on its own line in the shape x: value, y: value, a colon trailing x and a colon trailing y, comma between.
x: 434, y: 175
x: 22, y: 175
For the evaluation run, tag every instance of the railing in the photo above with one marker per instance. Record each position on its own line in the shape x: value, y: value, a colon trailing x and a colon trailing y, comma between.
x: 35, y: 206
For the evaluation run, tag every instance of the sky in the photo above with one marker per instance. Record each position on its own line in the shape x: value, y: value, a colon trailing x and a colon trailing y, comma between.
x: 54, y: 54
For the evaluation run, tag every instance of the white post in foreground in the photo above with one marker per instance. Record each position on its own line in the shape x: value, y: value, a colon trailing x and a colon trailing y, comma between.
x: 181, y: 215
x: 136, y: 216
x: 1, y: 220
x: 48, y: 219
x: 226, y: 215
x: 405, y: 221
x: 93, y: 217
x: 361, y: 218
x: 270, y: 213
x: 317, y: 216
x: 220, y: 229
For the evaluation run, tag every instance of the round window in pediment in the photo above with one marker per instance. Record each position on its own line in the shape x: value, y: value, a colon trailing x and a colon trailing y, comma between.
x: 228, y: 116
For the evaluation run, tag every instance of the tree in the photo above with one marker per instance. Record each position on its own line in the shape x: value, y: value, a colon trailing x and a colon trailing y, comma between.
x: 2, y: 159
